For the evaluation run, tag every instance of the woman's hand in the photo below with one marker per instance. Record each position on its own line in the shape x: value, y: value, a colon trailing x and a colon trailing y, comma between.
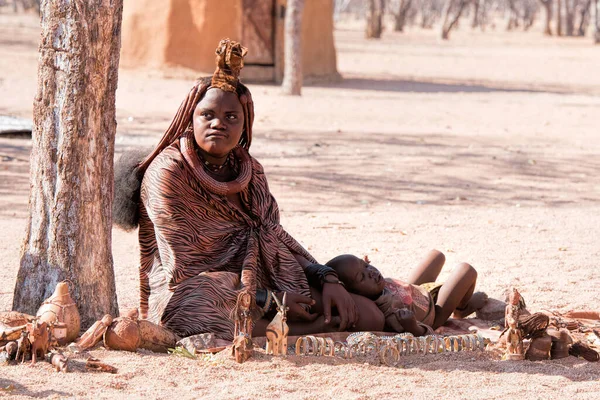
x: 336, y: 295
x: 296, y: 312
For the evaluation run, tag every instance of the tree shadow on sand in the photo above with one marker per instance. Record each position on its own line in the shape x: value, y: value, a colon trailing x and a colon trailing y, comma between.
x: 416, y: 86
x: 11, y: 387
x: 368, y: 168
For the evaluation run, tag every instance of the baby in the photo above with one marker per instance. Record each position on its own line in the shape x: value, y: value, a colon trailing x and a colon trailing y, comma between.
x: 419, y: 305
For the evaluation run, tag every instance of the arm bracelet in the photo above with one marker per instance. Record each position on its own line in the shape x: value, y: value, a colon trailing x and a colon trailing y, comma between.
x: 264, y: 299
x: 316, y: 274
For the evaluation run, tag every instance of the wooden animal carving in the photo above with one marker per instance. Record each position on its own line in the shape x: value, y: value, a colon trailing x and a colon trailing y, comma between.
x: 38, y: 334
x: 514, y: 335
x: 23, y: 347
x: 277, y: 330
x: 242, y: 342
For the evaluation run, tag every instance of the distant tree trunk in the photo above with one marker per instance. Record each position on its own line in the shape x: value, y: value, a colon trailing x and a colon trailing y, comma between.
x: 570, y: 17
x: 475, y: 20
x: 513, y: 16
x: 559, y: 29
x: 374, y: 19
x: 452, y: 11
x: 400, y: 15
x: 596, y: 21
x: 70, y: 203
x: 292, y: 70
x: 584, y: 14
x: 547, y: 23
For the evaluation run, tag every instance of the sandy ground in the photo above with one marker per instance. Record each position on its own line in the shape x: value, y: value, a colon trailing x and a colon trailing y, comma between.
x: 485, y: 147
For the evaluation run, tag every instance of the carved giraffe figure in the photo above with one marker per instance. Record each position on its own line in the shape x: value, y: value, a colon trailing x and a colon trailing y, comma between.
x: 277, y: 330
x: 242, y: 348
x: 514, y: 335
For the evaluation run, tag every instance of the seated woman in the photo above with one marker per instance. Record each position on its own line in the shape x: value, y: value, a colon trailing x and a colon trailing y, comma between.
x: 209, y: 227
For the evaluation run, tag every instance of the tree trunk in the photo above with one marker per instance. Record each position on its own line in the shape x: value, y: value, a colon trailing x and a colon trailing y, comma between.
x: 596, y: 7
x: 475, y: 20
x: 292, y: 70
x: 374, y: 19
x: 584, y: 14
x: 559, y: 30
x: 71, y: 174
x: 547, y: 4
x: 452, y: 12
x: 570, y: 17
x: 401, y: 14
x: 513, y: 16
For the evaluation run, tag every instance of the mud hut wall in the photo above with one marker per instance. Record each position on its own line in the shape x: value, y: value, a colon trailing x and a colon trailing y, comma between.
x: 143, y: 38
x: 158, y: 34
x: 195, y: 29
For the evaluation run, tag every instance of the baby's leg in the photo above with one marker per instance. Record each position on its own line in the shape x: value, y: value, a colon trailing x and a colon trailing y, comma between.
x: 429, y: 269
x: 455, y: 293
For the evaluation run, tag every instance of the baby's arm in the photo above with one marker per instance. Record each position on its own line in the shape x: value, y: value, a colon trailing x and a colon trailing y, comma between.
x: 392, y: 323
x: 406, y: 319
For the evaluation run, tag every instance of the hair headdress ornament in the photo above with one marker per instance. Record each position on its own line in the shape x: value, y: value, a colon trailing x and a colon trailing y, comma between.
x: 230, y: 61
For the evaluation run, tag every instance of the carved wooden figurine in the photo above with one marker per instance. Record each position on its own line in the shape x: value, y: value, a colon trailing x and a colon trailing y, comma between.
x: 38, y: 334
x: 277, y: 330
x: 23, y: 347
x: 242, y: 342
x: 514, y: 335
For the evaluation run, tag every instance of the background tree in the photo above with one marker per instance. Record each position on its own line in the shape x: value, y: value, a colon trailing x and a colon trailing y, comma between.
x: 399, y: 10
x: 559, y: 14
x: 597, y: 21
x: 292, y: 71
x: 71, y: 178
x: 452, y: 13
x: 547, y: 4
x: 375, y: 10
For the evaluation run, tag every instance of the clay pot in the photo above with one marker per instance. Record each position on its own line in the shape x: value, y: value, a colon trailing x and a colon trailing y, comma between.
x: 123, y: 334
x: 561, y: 341
x: 60, y: 312
x: 539, y: 349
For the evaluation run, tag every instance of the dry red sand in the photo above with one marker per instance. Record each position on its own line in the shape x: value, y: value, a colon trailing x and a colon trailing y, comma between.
x: 485, y: 147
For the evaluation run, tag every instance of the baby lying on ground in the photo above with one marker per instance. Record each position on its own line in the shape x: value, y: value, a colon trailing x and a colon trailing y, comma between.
x: 419, y: 305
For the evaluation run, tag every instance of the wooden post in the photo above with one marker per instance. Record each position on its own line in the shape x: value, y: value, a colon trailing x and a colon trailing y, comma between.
x: 70, y: 203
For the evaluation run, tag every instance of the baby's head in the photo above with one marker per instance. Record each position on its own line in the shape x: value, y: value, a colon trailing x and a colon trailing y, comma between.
x: 358, y: 275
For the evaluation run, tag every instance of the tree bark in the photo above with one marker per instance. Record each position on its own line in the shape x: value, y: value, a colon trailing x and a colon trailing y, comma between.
x: 374, y: 19
x: 71, y: 174
x: 547, y: 4
x: 292, y: 72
